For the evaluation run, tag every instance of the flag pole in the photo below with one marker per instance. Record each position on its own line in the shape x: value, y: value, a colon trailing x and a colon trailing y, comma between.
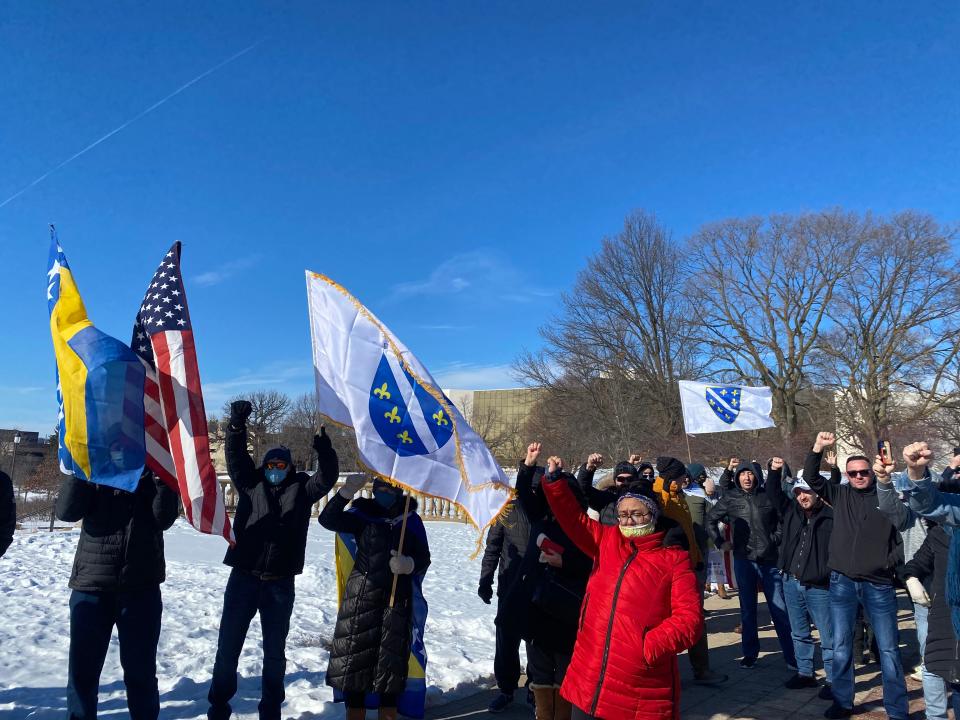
x: 403, y: 533
x: 686, y: 437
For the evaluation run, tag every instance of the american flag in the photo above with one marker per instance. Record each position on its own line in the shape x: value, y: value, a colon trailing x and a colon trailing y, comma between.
x: 178, y: 446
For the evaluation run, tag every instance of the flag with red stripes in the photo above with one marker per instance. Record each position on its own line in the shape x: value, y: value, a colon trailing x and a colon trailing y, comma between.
x: 177, y: 442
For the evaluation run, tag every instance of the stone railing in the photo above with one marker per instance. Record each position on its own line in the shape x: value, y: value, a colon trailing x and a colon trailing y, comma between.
x: 427, y: 507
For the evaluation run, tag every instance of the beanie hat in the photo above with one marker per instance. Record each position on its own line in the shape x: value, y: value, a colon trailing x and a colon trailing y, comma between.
x: 625, y: 468
x: 650, y: 503
x: 695, y: 470
x: 279, y: 452
x: 670, y: 468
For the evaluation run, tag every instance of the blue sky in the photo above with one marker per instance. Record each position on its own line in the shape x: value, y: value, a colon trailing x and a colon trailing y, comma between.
x: 452, y: 164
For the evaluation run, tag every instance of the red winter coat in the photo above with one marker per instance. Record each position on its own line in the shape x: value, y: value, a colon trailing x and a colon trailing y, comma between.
x: 641, y: 609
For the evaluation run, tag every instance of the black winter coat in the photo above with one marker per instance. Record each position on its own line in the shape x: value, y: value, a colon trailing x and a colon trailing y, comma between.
x: 271, y: 521
x: 929, y: 565
x: 121, y: 538
x: 8, y: 512
x: 371, y: 640
x: 807, y: 559
x: 754, y: 517
x: 507, y: 542
x: 517, y: 610
x: 864, y: 545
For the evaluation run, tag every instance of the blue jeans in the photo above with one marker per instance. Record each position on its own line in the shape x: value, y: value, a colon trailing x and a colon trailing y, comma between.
x: 246, y: 595
x: 880, y: 605
x: 803, y: 605
x: 748, y: 574
x: 934, y: 686
x: 92, y: 617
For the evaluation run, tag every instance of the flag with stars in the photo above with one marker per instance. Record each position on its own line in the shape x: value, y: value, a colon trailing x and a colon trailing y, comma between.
x: 711, y: 408
x: 177, y: 443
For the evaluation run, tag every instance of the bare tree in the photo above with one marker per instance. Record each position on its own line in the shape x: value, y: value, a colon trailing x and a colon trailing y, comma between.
x: 269, y: 411
x: 762, y: 291
x: 891, y: 352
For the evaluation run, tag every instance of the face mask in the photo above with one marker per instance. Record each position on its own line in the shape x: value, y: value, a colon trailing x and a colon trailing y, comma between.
x: 385, y: 498
x: 275, y: 476
x: 632, y: 531
x: 116, y: 457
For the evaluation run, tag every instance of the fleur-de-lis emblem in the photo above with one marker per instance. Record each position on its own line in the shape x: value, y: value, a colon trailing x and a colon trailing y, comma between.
x: 439, y: 418
x: 382, y: 392
x: 392, y: 416
x: 404, y: 437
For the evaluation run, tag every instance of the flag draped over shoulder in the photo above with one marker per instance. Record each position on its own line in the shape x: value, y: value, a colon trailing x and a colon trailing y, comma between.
x: 709, y: 408
x: 411, y: 702
x: 177, y: 439
x: 99, y: 389
x: 407, y: 430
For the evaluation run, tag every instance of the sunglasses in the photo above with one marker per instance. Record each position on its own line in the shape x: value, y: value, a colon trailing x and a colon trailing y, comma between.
x: 858, y: 473
x: 277, y: 465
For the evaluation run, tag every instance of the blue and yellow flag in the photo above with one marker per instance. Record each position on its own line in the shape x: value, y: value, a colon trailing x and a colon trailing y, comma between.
x: 99, y: 389
x: 412, y: 701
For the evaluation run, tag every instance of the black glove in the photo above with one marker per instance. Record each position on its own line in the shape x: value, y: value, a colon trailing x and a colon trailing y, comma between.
x: 321, y: 442
x: 486, y: 593
x: 239, y: 412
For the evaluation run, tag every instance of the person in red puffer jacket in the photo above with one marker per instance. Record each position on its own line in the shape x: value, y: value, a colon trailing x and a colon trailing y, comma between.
x: 641, y: 608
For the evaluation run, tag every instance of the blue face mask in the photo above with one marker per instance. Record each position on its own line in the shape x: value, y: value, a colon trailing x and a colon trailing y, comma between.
x: 275, y: 476
x: 385, y: 498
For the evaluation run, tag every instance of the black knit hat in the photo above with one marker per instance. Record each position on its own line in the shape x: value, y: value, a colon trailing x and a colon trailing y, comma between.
x: 670, y: 468
x: 625, y: 468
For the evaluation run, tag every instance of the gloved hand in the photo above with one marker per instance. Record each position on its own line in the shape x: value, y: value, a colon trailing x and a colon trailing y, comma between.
x: 917, y: 592
x: 400, y: 564
x: 239, y: 412
x: 486, y: 593
x: 321, y: 442
x: 352, y: 485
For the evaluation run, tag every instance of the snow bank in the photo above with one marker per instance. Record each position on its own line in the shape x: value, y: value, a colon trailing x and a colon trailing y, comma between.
x: 35, y: 627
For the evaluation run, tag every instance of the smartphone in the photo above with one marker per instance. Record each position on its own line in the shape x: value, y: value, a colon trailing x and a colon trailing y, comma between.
x: 885, y: 452
x: 549, y: 545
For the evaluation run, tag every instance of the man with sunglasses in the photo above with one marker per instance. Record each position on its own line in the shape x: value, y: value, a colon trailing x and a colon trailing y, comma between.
x: 271, y: 522
x: 863, y: 558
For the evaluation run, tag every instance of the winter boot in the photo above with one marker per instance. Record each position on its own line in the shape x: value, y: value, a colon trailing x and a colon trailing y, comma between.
x: 562, y: 710
x: 387, y: 713
x: 545, y: 697
x: 356, y: 713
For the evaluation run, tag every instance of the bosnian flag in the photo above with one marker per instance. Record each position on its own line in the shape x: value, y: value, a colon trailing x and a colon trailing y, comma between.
x: 708, y: 407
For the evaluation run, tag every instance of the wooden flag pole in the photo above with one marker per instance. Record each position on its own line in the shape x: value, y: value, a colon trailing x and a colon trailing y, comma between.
x: 686, y: 437
x: 403, y: 534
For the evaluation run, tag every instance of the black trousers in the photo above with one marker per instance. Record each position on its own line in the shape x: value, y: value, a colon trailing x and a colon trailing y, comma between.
x: 506, y: 660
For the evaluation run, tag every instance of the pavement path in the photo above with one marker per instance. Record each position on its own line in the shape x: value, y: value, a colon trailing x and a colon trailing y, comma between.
x: 756, y: 694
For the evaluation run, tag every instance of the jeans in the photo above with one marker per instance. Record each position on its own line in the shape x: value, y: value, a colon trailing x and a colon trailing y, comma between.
x: 92, y: 617
x: 934, y: 686
x: 506, y: 660
x: 748, y: 573
x: 803, y: 605
x: 880, y: 605
x: 246, y: 595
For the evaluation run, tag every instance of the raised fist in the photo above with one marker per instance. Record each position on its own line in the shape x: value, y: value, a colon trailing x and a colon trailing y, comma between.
x: 776, y: 463
x: 533, y: 452
x: 239, y: 412
x: 321, y: 442
x: 352, y: 485
x: 824, y: 439
x: 732, y: 464
x: 636, y: 459
x: 554, y: 463
x: 594, y: 461
x: 881, y: 470
x: 918, y: 456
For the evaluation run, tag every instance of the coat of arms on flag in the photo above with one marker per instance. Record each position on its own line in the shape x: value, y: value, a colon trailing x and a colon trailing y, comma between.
x: 724, y: 401
x: 711, y: 408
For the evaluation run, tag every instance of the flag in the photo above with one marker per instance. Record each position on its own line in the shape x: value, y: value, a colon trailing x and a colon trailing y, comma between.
x: 412, y: 701
x: 99, y: 388
x: 407, y: 431
x: 177, y: 442
x: 711, y: 408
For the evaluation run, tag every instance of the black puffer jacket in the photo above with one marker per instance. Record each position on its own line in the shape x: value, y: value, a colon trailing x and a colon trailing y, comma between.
x: 121, y: 539
x: 371, y: 641
x: 804, y: 542
x: 8, y: 512
x: 929, y: 565
x: 864, y: 545
x: 271, y: 521
x: 753, y: 516
x: 517, y: 610
x: 507, y: 542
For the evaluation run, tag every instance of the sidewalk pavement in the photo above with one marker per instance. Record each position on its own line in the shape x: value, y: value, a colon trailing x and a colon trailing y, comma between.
x: 756, y: 694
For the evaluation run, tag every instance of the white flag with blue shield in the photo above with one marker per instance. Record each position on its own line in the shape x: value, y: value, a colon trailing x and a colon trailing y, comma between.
x: 407, y: 430
x: 711, y: 407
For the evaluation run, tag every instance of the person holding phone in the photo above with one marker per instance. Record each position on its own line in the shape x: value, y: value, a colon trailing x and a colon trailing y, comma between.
x: 863, y: 558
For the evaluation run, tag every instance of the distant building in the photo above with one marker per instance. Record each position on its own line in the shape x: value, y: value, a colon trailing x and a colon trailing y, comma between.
x: 499, y: 417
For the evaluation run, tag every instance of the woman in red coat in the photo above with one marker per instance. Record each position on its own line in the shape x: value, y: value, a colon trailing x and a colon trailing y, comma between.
x: 640, y: 610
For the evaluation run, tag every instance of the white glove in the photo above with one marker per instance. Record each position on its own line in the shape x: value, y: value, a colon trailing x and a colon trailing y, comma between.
x: 400, y: 564
x: 352, y: 485
x: 917, y: 592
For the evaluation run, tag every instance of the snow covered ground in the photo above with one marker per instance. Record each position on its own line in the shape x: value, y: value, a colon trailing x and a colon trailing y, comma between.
x: 34, y: 627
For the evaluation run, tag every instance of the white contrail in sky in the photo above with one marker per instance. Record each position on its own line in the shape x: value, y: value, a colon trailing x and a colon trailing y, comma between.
x: 132, y: 120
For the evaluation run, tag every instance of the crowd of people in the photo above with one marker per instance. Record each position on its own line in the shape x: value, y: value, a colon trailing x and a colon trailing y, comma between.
x: 604, y: 582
